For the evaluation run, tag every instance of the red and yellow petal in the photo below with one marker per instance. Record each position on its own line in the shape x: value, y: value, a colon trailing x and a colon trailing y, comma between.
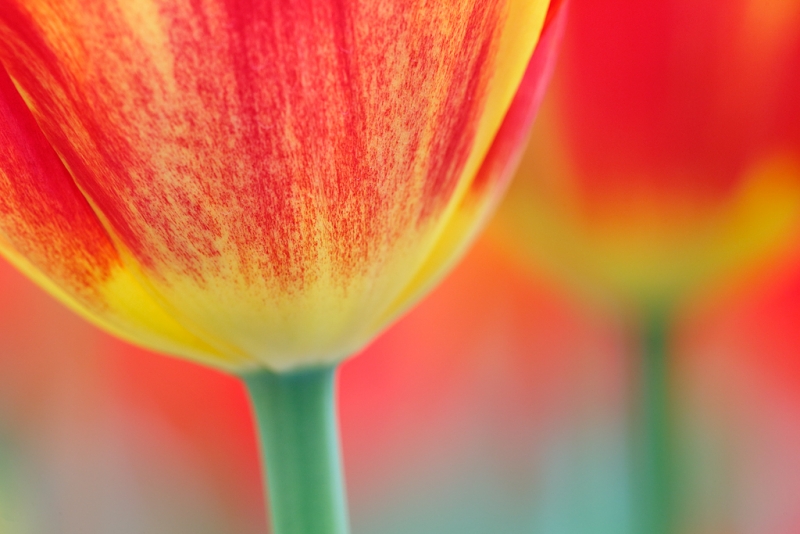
x: 277, y: 173
x: 49, y: 231
x: 490, y: 182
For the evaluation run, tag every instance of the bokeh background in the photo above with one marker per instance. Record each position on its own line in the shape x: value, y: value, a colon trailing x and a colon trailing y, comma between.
x: 662, y: 169
x: 498, y: 405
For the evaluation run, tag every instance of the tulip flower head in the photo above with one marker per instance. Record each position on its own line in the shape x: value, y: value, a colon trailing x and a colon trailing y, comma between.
x: 668, y: 153
x: 260, y: 184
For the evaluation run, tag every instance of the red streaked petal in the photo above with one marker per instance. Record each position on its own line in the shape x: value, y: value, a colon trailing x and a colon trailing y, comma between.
x: 49, y: 231
x: 276, y: 172
x: 498, y: 166
x: 219, y: 130
x: 43, y: 215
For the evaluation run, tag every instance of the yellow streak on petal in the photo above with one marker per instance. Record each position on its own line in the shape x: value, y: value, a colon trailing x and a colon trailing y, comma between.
x: 142, y: 17
x: 144, y: 321
x: 322, y: 324
x: 463, y: 225
x: 128, y: 312
x: 448, y: 239
x: 523, y: 26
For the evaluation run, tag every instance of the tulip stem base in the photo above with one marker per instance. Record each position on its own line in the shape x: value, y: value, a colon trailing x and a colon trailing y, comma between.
x: 654, y: 469
x: 296, y: 417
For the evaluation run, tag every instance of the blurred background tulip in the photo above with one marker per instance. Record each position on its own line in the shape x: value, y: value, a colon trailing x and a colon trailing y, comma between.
x: 667, y: 153
x: 665, y: 166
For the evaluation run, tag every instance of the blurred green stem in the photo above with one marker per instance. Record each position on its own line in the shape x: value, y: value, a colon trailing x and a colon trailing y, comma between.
x: 296, y: 416
x: 654, y: 471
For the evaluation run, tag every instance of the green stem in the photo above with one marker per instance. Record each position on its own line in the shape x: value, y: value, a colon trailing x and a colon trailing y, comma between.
x: 299, y: 438
x: 655, y: 470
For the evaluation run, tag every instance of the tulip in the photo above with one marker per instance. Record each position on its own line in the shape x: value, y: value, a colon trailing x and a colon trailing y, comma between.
x: 261, y: 187
x: 669, y: 156
x: 667, y: 159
